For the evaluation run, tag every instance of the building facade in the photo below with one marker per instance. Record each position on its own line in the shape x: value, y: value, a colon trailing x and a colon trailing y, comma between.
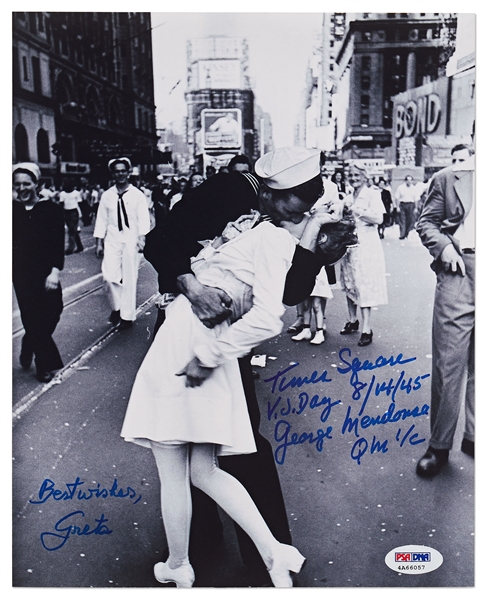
x: 366, y: 59
x: 83, y: 92
x: 429, y: 120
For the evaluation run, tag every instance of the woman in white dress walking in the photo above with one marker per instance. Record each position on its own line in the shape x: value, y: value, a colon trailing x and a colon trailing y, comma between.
x: 363, y: 276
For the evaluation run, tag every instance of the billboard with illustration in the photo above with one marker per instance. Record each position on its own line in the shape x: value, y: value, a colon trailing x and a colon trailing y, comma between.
x: 221, y: 128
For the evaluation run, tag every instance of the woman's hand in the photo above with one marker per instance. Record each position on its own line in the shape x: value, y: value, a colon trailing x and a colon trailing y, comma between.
x: 52, y: 281
x: 195, y: 373
x: 99, y: 248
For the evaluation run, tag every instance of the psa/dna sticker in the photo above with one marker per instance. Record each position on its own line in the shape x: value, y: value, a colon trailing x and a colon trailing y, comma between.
x: 413, y: 559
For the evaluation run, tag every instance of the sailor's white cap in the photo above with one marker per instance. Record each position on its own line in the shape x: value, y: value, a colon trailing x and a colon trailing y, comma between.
x: 123, y: 160
x: 31, y: 167
x: 288, y: 167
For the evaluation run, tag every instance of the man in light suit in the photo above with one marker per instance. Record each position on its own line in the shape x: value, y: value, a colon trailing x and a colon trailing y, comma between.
x: 447, y: 229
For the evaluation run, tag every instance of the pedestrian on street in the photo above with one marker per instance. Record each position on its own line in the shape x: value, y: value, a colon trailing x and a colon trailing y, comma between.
x: 388, y: 206
x: 223, y: 198
x: 85, y: 204
x: 406, y: 196
x: 38, y: 258
x: 189, y: 390
x: 363, y: 276
x: 447, y: 229
x: 241, y: 163
x: 71, y: 199
x: 122, y: 222
x: 96, y: 192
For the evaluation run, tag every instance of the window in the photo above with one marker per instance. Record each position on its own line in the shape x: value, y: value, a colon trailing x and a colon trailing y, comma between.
x: 366, y: 63
x: 43, y: 152
x: 63, y: 43
x: 40, y: 22
x: 364, y: 120
x: 21, y: 144
x: 365, y: 82
x: 25, y: 68
x: 365, y: 102
x: 33, y: 22
x: 391, y: 15
x: 367, y: 36
x: 36, y: 74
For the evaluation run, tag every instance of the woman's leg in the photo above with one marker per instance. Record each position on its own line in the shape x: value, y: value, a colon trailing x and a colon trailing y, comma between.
x: 175, y: 498
x: 352, y: 310
x: 305, y: 310
x: 366, y: 315
x: 297, y: 325
x: 319, y: 307
x: 233, y: 498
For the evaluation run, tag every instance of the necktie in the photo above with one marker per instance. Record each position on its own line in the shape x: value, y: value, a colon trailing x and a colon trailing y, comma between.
x: 119, y: 211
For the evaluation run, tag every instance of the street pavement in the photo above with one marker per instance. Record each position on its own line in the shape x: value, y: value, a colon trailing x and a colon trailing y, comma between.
x: 350, y: 487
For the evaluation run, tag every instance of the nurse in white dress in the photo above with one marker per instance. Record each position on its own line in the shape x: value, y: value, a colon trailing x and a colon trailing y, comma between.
x: 187, y: 402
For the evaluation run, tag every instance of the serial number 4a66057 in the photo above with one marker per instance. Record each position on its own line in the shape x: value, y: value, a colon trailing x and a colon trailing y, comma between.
x: 412, y: 567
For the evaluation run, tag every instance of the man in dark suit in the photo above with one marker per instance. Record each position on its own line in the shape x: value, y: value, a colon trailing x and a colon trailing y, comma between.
x: 446, y: 228
x: 220, y: 199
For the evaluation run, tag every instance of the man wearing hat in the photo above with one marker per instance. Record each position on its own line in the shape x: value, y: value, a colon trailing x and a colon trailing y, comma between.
x: 122, y: 221
x: 287, y: 173
x: 38, y: 258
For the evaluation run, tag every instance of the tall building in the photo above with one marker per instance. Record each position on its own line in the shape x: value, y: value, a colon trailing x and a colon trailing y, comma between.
x: 220, y: 101
x: 83, y: 91
x: 367, y: 58
x: 430, y: 119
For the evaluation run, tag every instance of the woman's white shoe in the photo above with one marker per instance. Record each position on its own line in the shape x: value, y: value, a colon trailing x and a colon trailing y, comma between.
x: 183, y: 576
x: 318, y: 337
x: 286, y: 559
x: 304, y: 335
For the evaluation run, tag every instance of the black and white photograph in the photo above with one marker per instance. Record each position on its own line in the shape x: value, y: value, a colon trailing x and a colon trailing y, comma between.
x: 243, y: 301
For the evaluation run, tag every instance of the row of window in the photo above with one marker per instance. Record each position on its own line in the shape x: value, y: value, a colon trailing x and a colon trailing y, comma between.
x: 21, y: 146
x: 401, y: 34
x: 92, y: 40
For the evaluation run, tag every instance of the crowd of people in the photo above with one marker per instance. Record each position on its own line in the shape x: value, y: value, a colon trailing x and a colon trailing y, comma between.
x: 231, y: 250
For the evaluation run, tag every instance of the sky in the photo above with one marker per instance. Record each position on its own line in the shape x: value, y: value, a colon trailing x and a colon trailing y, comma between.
x: 280, y: 45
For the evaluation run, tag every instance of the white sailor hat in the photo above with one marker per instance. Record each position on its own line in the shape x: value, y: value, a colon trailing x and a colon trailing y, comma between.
x: 30, y: 167
x: 288, y: 167
x: 123, y: 160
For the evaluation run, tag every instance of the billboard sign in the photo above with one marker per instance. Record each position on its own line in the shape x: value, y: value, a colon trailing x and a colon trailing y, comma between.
x: 221, y: 128
x: 219, y: 74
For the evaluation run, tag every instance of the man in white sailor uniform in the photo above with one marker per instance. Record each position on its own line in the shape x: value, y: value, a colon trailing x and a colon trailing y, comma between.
x: 122, y: 222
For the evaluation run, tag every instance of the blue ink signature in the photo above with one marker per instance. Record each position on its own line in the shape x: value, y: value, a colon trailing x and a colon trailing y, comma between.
x: 48, y: 490
x: 356, y: 366
x: 53, y: 541
x: 282, y: 435
x: 315, y: 402
x: 361, y: 446
x: 296, y: 381
x: 353, y: 424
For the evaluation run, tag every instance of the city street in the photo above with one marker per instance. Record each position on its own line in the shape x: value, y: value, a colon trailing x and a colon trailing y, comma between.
x: 349, y: 481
